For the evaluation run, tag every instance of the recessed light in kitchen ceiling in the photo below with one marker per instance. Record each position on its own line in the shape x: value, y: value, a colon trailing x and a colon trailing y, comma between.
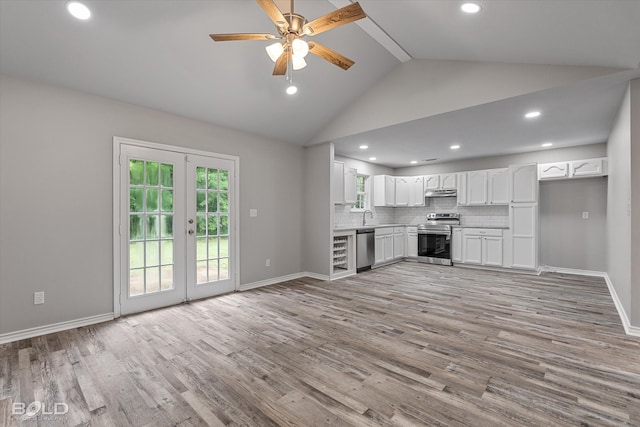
x: 78, y: 10
x: 547, y: 144
x: 455, y: 146
x: 413, y: 162
x: 470, y: 8
x: 364, y: 147
x: 532, y: 114
x: 372, y: 158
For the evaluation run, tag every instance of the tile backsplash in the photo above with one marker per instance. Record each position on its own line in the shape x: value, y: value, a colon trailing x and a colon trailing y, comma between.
x: 474, y: 216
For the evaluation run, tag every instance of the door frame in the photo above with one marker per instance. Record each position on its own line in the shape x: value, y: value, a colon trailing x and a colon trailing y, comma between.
x: 118, y: 230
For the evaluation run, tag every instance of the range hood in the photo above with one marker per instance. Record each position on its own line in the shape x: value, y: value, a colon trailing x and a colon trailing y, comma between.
x: 441, y: 193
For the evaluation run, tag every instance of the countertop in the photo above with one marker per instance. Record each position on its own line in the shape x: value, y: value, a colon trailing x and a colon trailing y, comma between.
x: 359, y: 227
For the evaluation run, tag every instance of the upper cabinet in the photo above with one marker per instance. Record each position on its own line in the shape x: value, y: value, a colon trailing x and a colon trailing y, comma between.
x: 443, y: 181
x: 498, y: 186
x: 524, y: 183
x: 350, y: 186
x: 483, y: 187
x: 343, y: 184
x: 384, y: 190
x: 477, y: 187
x: 416, y: 191
x: 573, y: 169
x: 402, y: 191
x: 337, y: 183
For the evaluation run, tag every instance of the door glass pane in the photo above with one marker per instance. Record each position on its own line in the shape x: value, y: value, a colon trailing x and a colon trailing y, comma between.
x: 151, y: 258
x: 209, y: 245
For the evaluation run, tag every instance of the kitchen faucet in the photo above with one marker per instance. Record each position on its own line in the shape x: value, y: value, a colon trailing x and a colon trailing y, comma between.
x: 364, y: 219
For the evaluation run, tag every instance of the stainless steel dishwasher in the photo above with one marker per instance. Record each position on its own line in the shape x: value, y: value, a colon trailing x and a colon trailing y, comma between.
x: 365, y: 249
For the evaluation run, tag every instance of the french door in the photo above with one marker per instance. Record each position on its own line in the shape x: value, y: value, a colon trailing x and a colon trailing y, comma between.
x: 177, y: 226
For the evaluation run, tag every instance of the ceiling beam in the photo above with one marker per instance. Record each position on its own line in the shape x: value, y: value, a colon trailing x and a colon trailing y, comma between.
x: 377, y: 33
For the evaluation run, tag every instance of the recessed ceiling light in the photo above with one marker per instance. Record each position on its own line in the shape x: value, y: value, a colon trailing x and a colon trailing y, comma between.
x: 547, y: 144
x: 78, y: 10
x: 470, y: 8
x: 455, y: 147
x: 291, y: 90
x: 372, y: 158
x: 364, y: 147
x: 413, y: 162
x: 532, y: 114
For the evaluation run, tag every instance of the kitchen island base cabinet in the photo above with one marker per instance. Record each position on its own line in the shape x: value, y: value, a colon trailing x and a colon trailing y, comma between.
x: 343, y: 255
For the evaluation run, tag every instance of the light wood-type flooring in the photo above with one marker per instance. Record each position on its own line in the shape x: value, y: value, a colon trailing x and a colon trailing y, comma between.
x: 407, y: 344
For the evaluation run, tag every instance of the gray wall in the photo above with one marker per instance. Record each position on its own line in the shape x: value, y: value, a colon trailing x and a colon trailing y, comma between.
x: 56, y: 198
x: 567, y: 240
x: 318, y: 209
x: 623, y: 207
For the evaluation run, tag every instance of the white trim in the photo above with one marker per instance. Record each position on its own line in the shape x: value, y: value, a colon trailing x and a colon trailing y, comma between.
x: 56, y: 327
x: 317, y: 276
x: 117, y: 227
x: 628, y: 328
x: 273, y: 281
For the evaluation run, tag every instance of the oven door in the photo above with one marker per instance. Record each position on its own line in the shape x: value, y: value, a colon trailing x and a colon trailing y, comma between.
x: 432, y: 244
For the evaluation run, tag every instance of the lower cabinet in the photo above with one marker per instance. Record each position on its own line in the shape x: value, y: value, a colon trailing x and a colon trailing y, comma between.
x: 384, y: 245
x: 412, y: 242
x: 481, y: 246
x: 399, y: 237
x: 456, y: 245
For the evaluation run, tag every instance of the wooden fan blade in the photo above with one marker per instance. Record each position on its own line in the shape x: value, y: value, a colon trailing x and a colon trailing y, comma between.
x: 241, y: 36
x: 281, y: 64
x: 330, y: 55
x: 339, y: 17
x: 274, y: 13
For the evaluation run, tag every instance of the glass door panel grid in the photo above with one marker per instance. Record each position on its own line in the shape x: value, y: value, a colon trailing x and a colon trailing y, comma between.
x: 151, y: 263
x: 212, y: 225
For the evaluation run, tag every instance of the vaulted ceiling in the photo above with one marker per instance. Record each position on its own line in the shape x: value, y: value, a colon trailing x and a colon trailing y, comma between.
x: 158, y: 54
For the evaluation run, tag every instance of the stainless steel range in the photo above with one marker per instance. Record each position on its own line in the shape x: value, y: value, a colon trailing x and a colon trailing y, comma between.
x: 434, y: 238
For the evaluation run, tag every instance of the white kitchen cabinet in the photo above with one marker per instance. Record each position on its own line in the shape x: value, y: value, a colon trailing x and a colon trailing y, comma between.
x: 399, y: 242
x: 498, y: 186
x: 448, y: 181
x: 477, y: 187
x: 556, y: 170
x: 384, y: 190
x: 412, y: 242
x: 482, y: 246
x: 524, y: 183
x: 337, y: 183
x: 456, y: 245
x: 461, y: 186
x: 524, y: 231
x: 472, y: 249
x: 384, y: 245
x: 416, y: 191
x: 589, y: 167
x: 431, y: 182
x: 443, y: 181
x: 402, y: 191
x: 350, y: 186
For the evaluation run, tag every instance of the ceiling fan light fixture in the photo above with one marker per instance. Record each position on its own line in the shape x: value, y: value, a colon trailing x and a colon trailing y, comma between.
x: 274, y: 51
x: 298, y: 62
x: 78, y: 10
x: 291, y: 90
x: 300, y: 48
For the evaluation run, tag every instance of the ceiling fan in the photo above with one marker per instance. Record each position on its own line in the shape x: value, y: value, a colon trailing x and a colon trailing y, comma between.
x: 292, y: 27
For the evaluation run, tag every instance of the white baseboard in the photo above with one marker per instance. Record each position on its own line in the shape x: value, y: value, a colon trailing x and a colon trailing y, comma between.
x: 56, y: 327
x: 280, y: 279
x: 628, y: 328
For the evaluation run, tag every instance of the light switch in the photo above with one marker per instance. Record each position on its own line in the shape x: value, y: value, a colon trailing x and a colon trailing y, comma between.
x: 253, y: 212
x: 585, y: 215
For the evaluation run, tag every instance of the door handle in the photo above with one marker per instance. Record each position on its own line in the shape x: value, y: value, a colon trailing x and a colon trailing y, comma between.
x: 190, y: 231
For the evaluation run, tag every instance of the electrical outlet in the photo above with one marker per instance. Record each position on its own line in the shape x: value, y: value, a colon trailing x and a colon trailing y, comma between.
x: 268, y: 263
x: 38, y: 298
x: 253, y: 213
x: 585, y: 215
